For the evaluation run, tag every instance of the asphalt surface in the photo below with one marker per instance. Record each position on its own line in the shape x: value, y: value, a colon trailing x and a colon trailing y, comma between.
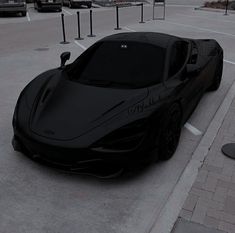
x: 35, y: 198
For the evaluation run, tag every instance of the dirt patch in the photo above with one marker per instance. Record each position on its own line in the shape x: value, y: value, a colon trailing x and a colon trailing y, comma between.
x: 221, y: 4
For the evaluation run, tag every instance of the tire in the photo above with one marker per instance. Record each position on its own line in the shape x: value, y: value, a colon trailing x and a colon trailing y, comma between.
x: 217, y: 78
x: 23, y: 13
x: 169, y: 136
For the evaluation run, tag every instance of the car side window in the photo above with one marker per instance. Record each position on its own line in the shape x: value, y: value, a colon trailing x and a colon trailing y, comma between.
x: 177, y: 57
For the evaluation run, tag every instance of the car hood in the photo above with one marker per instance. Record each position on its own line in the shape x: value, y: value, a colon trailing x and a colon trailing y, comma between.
x: 65, y: 110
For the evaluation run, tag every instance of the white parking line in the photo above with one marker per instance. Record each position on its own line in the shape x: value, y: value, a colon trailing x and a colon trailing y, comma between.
x: 204, y: 17
x: 230, y: 62
x: 69, y: 13
x: 192, y: 129
x: 28, y: 18
x: 80, y: 45
x: 129, y: 29
x: 199, y: 28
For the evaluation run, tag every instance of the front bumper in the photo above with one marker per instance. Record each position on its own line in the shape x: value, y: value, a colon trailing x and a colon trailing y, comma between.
x: 13, y: 8
x: 50, y: 6
x: 71, y: 157
x: 80, y: 3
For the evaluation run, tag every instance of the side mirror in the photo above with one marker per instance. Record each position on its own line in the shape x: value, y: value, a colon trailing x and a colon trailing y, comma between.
x: 63, y: 58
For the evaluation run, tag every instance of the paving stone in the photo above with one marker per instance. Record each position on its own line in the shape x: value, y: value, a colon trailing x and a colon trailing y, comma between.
x: 220, y: 176
x: 202, y: 175
x: 227, y: 217
x: 212, y: 168
x: 198, y: 185
x: 199, y: 213
x: 201, y: 193
x: 184, y: 226
x: 213, y: 213
x: 213, y: 204
x: 231, y: 193
x: 229, y: 206
x: 210, y: 184
x: 218, y: 160
x: 211, y: 222
x: 190, y: 202
x: 228, y: 168
x: 225, y: 184
x: 227, y: 227
x: 186, y: 214
x: 220, y: 194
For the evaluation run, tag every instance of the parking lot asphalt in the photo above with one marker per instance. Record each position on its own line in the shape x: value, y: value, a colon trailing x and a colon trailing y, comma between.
x: 39, y: 199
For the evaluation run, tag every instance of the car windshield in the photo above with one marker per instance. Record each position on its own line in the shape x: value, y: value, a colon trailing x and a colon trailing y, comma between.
x: 126, y: 64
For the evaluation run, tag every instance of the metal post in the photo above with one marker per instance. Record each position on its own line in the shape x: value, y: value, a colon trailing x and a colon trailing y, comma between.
x: 142, y: 13
x: 226, y: 8
x: 117, y: 19
x: 164, y: 12
x: 63, y: 29
x: 153, y: 10
x: 79, y: 33
x: 91, y: 34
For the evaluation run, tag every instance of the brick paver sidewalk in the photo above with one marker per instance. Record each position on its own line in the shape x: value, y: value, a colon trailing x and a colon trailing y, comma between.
x: 211, y: 201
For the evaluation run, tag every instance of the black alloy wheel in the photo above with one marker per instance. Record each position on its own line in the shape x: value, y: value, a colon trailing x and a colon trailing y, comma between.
x: 170, y: 133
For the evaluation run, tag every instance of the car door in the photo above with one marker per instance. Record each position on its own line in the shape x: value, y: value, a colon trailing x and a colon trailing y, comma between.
x: 181, y: 85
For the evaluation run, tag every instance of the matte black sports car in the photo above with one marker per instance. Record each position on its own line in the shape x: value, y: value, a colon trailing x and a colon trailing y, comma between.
x: 126, y: 95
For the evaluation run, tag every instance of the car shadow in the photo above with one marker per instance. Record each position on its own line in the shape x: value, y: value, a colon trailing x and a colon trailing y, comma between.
x: 104, y: 172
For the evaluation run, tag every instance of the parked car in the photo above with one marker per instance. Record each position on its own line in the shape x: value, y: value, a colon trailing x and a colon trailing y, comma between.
x: 48, y: 5
x: 77, y: 3
x: 13, y: 6
x: 126, y: 95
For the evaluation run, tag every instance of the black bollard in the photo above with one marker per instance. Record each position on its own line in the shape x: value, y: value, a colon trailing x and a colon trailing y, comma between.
x: 63, y: 29
x: 226, y: 8
x: 117, y: 19
x: 79, y: 33
x: 142, y: 13
x: 91, y: 35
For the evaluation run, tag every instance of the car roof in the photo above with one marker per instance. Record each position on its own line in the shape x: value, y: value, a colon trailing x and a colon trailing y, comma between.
x: 154, y: 38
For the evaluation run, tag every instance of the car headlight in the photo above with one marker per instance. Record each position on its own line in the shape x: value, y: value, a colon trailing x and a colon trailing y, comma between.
x: 125, y: 138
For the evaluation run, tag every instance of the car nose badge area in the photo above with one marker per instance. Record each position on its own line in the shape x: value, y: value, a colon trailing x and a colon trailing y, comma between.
x: 95, y: 168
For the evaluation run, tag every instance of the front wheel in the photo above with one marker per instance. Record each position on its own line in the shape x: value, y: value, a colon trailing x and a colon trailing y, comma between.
x: 217, y: 78
x: 170, y: 131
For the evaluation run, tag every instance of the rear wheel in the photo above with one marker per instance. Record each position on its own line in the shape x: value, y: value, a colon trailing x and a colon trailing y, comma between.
x: 23, y: 13
x: 217, y: 78
x: 168, y: 139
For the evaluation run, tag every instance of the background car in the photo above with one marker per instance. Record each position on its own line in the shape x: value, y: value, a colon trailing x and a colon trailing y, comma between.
x: 125, y: 96
x: 48, y: 5
x: 77, y: 3
x: 13, y: 6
